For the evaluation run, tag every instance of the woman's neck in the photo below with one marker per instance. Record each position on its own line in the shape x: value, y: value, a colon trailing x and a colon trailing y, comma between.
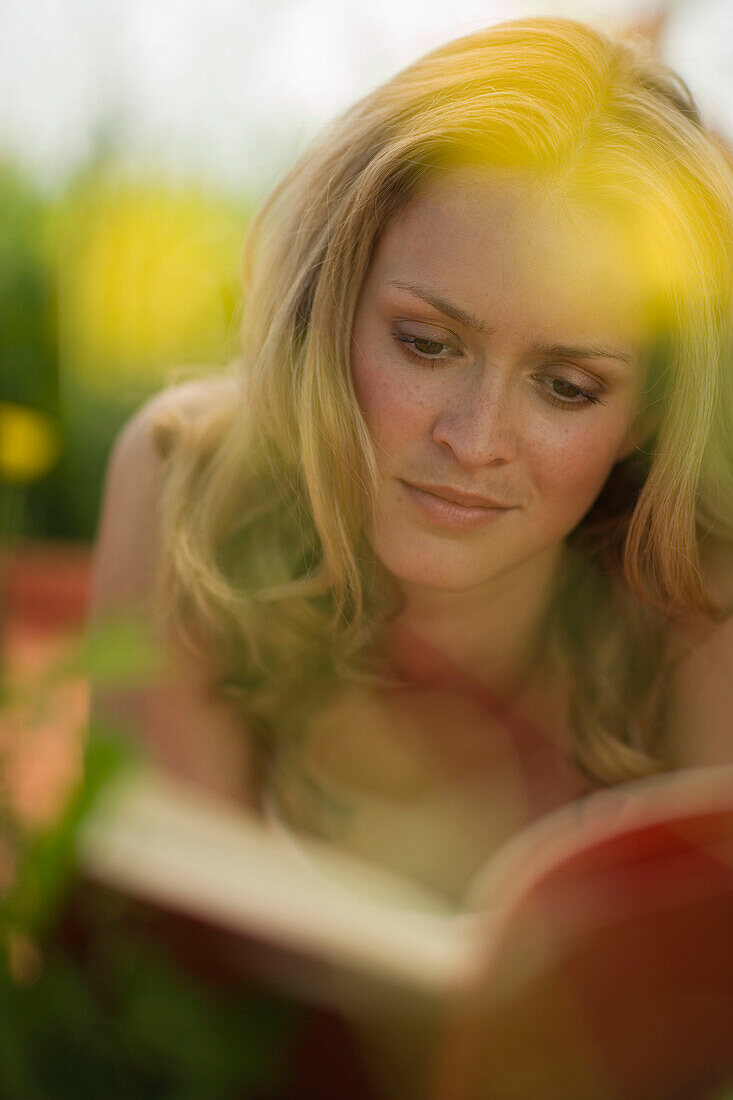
x: 493, y: 633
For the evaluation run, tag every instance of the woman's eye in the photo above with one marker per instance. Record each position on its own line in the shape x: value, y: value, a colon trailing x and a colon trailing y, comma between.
x: 421, y: 347
x: 567, y: 394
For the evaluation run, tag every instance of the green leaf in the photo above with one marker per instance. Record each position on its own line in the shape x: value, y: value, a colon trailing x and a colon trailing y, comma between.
x: 46, y: 861
x: 118, y: 652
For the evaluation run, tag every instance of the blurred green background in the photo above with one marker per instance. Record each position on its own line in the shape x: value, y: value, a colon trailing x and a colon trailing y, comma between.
x: 104, y: 291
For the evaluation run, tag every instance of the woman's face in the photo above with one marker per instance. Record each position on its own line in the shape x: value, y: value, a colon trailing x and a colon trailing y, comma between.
x: 498, y: 357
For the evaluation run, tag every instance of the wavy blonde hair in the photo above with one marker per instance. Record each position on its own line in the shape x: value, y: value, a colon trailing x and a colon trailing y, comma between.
x: 266, y: 565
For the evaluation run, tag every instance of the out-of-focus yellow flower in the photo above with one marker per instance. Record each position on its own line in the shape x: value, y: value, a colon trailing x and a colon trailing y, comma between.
x: 29, y: 443
x: 148, y: 278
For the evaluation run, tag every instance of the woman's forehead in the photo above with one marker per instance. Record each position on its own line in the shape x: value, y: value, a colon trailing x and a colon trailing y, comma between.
x: 506, y: 247
x: 493, y: 207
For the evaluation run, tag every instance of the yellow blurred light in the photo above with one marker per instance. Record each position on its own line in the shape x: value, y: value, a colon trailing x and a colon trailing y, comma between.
x: 29, y: 443
x: 148, y: 275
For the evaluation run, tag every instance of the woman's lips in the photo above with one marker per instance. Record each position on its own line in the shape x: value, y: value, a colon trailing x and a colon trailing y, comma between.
x: 450, y: 514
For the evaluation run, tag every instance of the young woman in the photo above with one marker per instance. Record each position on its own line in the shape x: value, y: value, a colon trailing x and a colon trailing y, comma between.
x: 450, y: 544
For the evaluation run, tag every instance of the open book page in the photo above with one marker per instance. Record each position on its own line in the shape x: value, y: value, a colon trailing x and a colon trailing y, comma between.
x: 163, y: 841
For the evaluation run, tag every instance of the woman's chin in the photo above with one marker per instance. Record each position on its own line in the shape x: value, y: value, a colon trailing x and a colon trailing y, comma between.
x: 442, y: 572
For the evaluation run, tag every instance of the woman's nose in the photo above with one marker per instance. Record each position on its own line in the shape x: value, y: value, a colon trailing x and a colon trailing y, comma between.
x: 478, y: 426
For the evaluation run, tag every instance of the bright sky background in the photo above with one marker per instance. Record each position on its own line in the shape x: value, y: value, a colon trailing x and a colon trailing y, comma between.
x: 228, y: 91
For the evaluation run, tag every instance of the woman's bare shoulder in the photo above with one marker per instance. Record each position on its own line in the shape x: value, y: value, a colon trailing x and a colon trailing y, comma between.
x: 127, y: 535
x: 143, y: 441
x: 180, y: 718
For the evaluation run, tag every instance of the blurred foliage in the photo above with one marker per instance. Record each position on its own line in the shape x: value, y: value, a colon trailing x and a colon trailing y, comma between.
x: 115, y: 654
x: 28, y: 333
x: 107, y: 293
x: 148, y: 276
x: 130, y: 1026
x: 29, y: 384
x: 118, y: 1019
x: 43, y: 858
x: 104, y: 294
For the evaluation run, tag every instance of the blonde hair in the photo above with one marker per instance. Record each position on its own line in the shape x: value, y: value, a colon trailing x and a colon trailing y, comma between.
x: 266, y: 563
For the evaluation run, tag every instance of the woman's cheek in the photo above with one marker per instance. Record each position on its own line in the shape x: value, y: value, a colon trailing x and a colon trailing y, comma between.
x: 370, y: 386
x: 395, y: 411
x: 574, y: 464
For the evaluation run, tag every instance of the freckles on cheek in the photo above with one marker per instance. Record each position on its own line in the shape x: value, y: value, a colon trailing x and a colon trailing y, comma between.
x: 371, y: 399
x: 390, y: 408
x: 578, y: 460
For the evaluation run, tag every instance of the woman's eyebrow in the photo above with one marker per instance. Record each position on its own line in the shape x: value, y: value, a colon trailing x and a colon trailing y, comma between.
x: 583, y: 351
x: 471, y: 321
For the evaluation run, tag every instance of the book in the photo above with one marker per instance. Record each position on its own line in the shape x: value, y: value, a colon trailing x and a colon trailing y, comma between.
x: 591, y: 956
